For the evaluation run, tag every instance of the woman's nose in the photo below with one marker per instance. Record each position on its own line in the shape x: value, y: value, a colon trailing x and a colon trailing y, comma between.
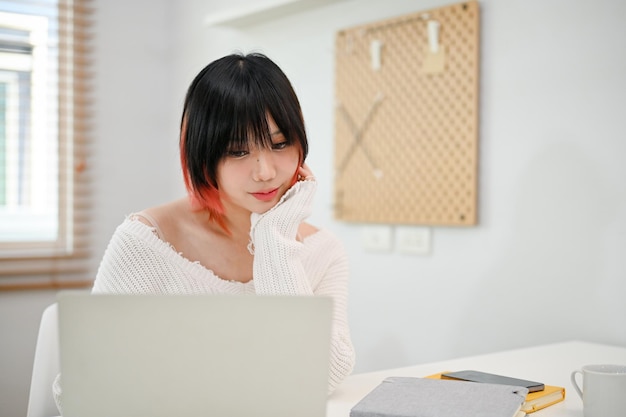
x: 264, y: 169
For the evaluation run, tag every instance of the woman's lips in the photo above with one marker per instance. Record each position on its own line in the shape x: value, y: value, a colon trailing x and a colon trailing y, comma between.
x: 265, y: 195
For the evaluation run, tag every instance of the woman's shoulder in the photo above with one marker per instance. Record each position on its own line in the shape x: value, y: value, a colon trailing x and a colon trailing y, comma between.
x: 320, y: 239
x: 163, y: 218
x: 306, y: 229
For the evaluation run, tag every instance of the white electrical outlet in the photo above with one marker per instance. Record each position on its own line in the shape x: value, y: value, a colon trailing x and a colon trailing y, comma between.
x: 376, y: 238
x: 413, y: 240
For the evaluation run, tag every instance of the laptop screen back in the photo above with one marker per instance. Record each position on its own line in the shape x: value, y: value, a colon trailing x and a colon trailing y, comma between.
x: 164, y: 355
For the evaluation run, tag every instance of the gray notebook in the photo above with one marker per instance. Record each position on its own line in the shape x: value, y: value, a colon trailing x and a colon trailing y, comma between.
x: 190, y: 356
x: 425, y: 397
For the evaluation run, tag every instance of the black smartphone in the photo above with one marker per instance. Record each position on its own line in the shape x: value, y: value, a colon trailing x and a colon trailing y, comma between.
x: 477, y: 376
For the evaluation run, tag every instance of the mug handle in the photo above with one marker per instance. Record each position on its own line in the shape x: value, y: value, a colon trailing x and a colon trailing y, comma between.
x: 576, y: 387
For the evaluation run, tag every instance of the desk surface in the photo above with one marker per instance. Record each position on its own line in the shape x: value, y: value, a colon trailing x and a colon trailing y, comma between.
x: 550, y: 364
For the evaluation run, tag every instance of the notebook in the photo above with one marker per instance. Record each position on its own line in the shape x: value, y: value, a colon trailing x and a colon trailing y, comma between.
x: 424, y: 397
x: 211, y: 355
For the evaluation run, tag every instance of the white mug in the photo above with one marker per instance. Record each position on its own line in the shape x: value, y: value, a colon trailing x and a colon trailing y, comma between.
x: 603, y: 390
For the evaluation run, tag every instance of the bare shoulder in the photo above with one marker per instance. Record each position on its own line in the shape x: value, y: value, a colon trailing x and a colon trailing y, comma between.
x: 165, y: 218
x: 306, y: 229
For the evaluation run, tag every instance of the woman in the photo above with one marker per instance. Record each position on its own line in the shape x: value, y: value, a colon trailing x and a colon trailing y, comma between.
x: 241, y: 229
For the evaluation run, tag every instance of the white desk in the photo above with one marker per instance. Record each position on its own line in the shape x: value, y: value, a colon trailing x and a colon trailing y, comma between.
x: 550, y: 364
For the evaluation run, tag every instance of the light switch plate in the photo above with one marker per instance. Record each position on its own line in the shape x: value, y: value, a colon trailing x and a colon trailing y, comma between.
x: 413, y: 240
x: 377, y: 238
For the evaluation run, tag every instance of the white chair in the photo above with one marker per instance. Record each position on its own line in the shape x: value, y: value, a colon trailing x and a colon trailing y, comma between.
x: 45, y: 366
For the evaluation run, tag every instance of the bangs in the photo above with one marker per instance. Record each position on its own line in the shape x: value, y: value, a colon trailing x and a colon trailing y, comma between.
x: 249, y: 127
x: 253, y: 97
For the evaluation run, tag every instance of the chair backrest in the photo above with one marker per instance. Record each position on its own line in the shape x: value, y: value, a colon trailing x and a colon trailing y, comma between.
x: 46, y: 366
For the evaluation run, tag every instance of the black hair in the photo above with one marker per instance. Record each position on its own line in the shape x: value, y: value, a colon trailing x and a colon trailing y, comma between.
x: 226, y: 107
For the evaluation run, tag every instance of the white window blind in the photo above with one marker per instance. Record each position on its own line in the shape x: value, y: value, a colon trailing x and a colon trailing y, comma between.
x: 45, y: 111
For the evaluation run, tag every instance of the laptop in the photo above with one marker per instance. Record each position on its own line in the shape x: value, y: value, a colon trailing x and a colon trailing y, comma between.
x: 194, y: 355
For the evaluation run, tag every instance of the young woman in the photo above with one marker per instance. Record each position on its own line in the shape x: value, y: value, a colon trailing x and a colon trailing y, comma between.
x: 241, y: 228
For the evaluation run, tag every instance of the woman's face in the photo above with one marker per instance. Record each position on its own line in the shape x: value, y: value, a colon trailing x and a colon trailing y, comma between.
x: 255, y: 178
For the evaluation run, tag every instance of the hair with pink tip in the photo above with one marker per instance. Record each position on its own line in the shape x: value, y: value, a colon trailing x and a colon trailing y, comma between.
x: 226, y: 107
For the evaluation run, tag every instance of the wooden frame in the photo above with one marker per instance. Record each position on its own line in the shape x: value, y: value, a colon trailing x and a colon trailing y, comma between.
x: 406, y: 119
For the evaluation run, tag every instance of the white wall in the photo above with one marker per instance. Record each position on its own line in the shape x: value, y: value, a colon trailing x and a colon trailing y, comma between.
x: 546, y: 262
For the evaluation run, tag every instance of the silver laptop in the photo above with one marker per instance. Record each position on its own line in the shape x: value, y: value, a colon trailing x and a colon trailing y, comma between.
x: 179, y: 356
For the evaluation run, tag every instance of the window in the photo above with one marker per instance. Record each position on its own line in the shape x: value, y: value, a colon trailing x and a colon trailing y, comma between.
x: 44, y: 111
x: 28, y: 159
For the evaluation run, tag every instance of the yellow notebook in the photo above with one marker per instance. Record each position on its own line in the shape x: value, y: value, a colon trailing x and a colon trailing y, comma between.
x: 534, y: 400
x: 541, y: 399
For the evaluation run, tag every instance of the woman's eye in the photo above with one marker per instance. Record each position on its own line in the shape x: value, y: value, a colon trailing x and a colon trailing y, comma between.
x: 237, y: 154
x: 279, y: 145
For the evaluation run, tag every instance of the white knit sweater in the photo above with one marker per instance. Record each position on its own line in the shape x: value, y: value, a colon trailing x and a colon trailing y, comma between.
x: 137, y: 261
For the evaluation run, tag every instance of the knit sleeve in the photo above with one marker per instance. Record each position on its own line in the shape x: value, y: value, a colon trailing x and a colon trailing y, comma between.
x: 278, y: 268
x: 329, y: 262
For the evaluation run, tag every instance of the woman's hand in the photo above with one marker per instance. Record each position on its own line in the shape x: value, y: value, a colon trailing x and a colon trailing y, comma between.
x: 305, y: 173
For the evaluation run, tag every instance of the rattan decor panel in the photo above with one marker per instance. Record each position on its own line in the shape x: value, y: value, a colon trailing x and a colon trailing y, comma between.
x: 406, y: 119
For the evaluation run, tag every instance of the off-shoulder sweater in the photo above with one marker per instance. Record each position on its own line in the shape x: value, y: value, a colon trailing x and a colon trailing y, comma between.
x: 137, y: 261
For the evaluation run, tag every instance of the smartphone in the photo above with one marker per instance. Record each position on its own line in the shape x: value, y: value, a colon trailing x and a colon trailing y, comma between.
x: 477, y: 376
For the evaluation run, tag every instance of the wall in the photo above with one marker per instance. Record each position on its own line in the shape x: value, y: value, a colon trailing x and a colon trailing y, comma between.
x: 546, y: 262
